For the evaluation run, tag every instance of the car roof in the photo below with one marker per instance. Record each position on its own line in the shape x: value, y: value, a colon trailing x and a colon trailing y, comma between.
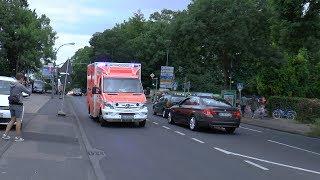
x: 4, y: 78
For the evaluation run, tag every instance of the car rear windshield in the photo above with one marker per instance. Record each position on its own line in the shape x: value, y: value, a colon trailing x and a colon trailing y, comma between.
x: 122, y: 85
x: 215, y: 102
x: 4, y: 87
x: 177, y: 99
x: 38, y: 84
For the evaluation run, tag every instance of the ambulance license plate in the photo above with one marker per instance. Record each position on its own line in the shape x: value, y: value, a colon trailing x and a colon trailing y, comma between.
x: 127, y: 117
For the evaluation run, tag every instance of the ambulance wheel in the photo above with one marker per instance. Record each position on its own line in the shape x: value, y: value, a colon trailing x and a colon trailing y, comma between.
x: 142, y: 123
x: 103, y: 123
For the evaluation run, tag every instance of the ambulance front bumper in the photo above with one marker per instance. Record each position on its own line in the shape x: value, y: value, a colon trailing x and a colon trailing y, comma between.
x: 125, y: 115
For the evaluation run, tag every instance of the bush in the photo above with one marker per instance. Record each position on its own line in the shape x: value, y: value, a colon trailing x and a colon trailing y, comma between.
x: 308, y: 110
x: 315, y: 129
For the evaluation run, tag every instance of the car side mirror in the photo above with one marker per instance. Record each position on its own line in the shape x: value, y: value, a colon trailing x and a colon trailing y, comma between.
x: 96, y: 90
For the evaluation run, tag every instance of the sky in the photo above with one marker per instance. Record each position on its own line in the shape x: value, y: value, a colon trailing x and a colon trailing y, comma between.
x: 77, y: 20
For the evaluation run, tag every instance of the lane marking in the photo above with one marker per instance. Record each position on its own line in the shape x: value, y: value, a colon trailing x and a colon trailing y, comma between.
x: 165, y: 127
x: 266, y: 161
x: 294, y: 147
x: 180, y: 133
x: 256, y: 165
x: 154, y: 122
x: 197, y: 140
x: 251, y: 129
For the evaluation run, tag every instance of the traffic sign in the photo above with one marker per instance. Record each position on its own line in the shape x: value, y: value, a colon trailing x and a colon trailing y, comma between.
x: 240, y: 86
x: 152, y: 75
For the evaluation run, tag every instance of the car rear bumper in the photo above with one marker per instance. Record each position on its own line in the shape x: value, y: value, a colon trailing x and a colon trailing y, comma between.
x: 214, y: 122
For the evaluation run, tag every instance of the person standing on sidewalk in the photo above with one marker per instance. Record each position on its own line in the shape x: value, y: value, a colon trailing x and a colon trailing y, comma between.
x: 16, y: 106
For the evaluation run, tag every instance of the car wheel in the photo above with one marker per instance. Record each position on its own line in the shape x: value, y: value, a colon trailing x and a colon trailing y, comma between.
x: 230, y: 130
x: 193, y: 124
x: 170, y: 119
x: 142, y: 123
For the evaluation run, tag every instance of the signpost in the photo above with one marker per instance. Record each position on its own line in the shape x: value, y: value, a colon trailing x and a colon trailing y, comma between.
x: 166, y: 77
x: 240, y: 87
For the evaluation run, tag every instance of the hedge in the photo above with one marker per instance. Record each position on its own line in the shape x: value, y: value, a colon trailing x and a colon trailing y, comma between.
x: 308, y: 110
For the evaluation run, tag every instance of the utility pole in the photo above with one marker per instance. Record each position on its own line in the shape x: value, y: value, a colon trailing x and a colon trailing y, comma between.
x: 61, y: 112
x: 54, y: 67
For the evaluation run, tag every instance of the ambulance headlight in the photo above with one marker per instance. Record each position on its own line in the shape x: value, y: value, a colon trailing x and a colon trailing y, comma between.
x: 143, y: 106
x: 108, y: 105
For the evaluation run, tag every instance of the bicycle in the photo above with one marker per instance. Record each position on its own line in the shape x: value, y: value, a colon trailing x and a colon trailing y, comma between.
x: 261, y: 112
x: 287, y: 114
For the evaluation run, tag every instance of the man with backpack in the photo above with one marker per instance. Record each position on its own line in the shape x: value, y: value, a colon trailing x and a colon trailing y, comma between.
x: 16, y: 106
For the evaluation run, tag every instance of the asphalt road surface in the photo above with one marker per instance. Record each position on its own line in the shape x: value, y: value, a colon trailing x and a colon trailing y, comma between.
x: 163, y: 151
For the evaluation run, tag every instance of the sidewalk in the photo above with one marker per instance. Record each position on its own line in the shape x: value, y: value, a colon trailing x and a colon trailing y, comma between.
x: 279, y: 124
x: 51, y: 149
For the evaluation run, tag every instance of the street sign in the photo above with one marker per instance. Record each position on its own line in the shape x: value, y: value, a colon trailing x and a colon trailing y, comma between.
x: 152, y: 75
x: 175, y: 85
x: 229, y: 96
x: 166, y: 77
x: 240, y: 86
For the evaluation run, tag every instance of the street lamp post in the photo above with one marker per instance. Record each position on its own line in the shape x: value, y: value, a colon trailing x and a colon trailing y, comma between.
x: 54, y: 66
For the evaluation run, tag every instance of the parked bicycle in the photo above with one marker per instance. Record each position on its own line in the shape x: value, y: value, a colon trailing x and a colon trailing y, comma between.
x: 284, y: 113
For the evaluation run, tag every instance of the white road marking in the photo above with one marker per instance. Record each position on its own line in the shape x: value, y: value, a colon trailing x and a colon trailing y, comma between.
x: 179, y: 133
x: 294, y: 147
x: 251, y: 129
x: 197, y: 140
x: 266, y: 161
x: 154, y: 122
x: 165, y: 127
x: 256, y: 165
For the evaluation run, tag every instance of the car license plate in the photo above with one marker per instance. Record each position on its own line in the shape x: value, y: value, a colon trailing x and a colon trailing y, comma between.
x: 225, y: 114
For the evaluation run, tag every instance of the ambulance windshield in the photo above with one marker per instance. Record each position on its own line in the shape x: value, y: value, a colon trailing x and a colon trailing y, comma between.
x: 122, y: 85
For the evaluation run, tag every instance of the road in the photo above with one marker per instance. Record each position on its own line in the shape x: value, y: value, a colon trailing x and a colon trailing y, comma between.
x: 164, y: 151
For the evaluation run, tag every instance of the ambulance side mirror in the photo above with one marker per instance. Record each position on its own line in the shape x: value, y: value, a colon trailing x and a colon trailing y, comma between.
x: 96, y: 90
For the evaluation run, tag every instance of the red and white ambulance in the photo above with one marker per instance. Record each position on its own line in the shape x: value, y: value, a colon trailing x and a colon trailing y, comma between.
x: 115, y: 93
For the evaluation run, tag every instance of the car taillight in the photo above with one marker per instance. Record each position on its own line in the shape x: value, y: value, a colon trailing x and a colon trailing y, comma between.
x: 209, y: 112
x: 237, y: 114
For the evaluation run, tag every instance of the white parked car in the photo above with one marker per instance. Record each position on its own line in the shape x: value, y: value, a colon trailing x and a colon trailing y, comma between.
x: 5, y: 115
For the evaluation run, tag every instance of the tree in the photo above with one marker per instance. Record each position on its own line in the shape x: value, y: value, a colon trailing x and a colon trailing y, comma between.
x: 26, y: 39
x: 223, y: 35
x: 80, y: 60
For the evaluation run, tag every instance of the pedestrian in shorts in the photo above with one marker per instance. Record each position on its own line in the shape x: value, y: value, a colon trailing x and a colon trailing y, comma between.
x: 16, y: 106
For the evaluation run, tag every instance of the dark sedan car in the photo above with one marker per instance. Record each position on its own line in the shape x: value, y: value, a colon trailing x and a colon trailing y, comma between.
x: 199, y: 112
x: 165, y: 103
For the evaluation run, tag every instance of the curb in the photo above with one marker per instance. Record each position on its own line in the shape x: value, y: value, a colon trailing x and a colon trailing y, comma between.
x: 281, y: 130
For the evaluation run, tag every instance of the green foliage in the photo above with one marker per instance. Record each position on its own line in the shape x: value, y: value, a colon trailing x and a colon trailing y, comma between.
x: 270, y: 46
x: 79, y: 64
x: 308, y: 110
x: 25, y: 38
